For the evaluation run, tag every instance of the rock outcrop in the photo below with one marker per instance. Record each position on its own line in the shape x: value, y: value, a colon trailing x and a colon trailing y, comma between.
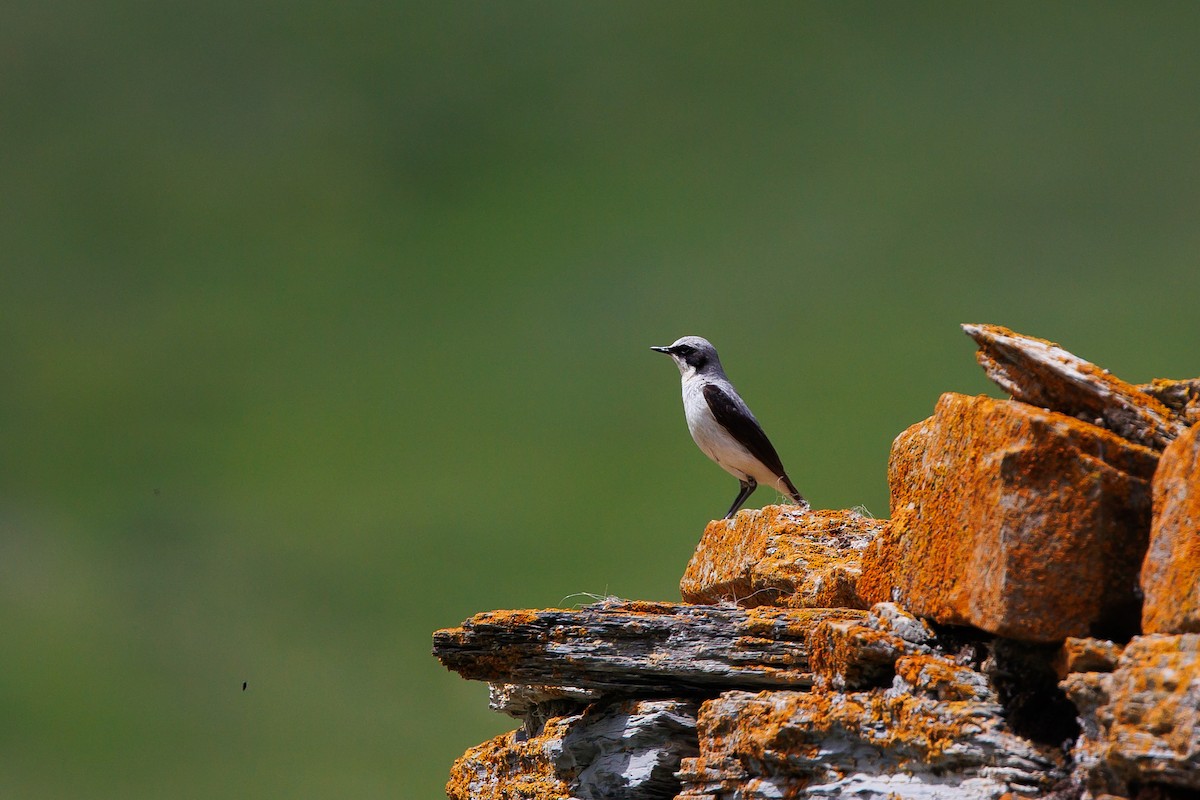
x: 1042, y: 374
x: 637, y: 647
x: 1171, y: 573
x: 781, y: 556
x: 894, y: 743
x: 988, y: 642
x: 1141, y: 718
x: 1026, y: 523
x: 629, y: 748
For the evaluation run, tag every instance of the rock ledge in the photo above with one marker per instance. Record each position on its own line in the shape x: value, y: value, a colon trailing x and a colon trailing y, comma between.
x: 1026, y: 625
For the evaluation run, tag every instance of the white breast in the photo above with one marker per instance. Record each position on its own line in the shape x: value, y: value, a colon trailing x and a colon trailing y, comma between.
x: 715, y: 441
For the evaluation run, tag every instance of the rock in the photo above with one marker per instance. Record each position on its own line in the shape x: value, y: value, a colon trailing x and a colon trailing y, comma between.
x: 1171, y: 571
x: 637, y: 646
x: 940, y: 678
x: 511, y: 765
x: 1043, y: 374
x: 1085, y: 655
x: 1182, y: 397
x: 847, y: 654
x: 521, y: 700
x: 871, y: 745
x: 1021, y: 530
x: 1026, y: 523
x: 629, y: 749
x: 891, y: 618
x: 781, y: 556
x: 1141, y: 722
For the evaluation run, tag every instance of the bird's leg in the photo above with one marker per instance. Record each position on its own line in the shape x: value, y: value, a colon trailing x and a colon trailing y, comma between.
x: 748, y: 486
x: 797, y: 498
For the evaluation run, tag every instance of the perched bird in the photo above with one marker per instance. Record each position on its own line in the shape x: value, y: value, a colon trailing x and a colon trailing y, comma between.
x: 722, y: 424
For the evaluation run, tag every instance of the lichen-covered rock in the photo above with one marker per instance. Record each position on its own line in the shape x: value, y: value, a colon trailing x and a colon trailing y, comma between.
x: 1171, y: 571
x: 1043, y: 374
x: 511, y: 766
x: 1182, y: 397
x: 780, y: 556
x: 1141, y: 722
x: 1026, y: 523
x: 849, y: 655
x: 859, y: 654
x: 891, y: 618
x: 873, y: 745
x: 1021, y: 526
x: 534, y: 705
x: 640, y: 647
x: 630, y: 749
x: 940, y: 678
x: 1085, y: 655
x: 627, y: 750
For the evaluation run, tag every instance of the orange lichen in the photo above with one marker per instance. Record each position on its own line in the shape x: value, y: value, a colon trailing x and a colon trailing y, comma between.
x: 1182, y: 397
x: 493, y: 665
x: 938, y: 677
x: 791, y: 623
x: 505, y: 618
x: 777, y: 725
x: 786, y: 741
x: 1085, y: 655
x: 510, y: 767
x: 1142, y: 721
x: 1023, y: 522
x: 648, y: 607
x: 1040, y: 372
x: 849, y: 655
x: 780, y: 556
x: 1170, y: 575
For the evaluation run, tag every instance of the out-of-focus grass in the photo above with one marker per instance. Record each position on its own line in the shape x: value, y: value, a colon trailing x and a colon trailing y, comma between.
x: 326, y: 326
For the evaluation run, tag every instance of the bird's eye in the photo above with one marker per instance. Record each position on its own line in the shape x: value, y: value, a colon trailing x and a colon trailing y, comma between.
x: 684, y: 349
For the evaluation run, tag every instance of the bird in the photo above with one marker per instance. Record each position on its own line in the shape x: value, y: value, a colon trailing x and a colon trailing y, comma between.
x: 723, y: 426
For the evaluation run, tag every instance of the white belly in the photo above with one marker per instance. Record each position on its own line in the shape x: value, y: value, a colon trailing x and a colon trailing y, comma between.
x: 716, y: 442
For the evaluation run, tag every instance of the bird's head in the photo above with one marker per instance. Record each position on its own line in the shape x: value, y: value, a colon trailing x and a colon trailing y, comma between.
x: 692, y: 354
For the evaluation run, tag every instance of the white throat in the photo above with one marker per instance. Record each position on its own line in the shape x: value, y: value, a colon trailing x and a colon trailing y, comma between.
x: 686, y: 370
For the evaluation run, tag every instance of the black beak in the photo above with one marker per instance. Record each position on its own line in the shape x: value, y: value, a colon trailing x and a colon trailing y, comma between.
x: 666, y: 350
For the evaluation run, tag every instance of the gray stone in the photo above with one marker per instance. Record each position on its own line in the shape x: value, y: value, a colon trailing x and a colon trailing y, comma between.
x: 637, y: 647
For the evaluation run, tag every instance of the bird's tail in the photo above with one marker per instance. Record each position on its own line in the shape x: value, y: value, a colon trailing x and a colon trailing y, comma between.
x: 785, y: 484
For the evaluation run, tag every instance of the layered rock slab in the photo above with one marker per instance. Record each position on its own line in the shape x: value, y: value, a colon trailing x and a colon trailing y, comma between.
x: 628, y: 749
x: 934, y: 729
x: 1181, y: 396
x: 875, y: 745
x: 1141, y: 722
x: 1043, y: 374
x: 637, y: 647
x: 1171, y: 572
x: 1025, y: 523
x: 781, y: 556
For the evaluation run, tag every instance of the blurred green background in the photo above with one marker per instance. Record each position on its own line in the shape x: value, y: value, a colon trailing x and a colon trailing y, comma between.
x: 326, y: 325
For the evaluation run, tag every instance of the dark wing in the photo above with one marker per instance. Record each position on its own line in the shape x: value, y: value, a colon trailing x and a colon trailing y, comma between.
x: 734, y: 417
